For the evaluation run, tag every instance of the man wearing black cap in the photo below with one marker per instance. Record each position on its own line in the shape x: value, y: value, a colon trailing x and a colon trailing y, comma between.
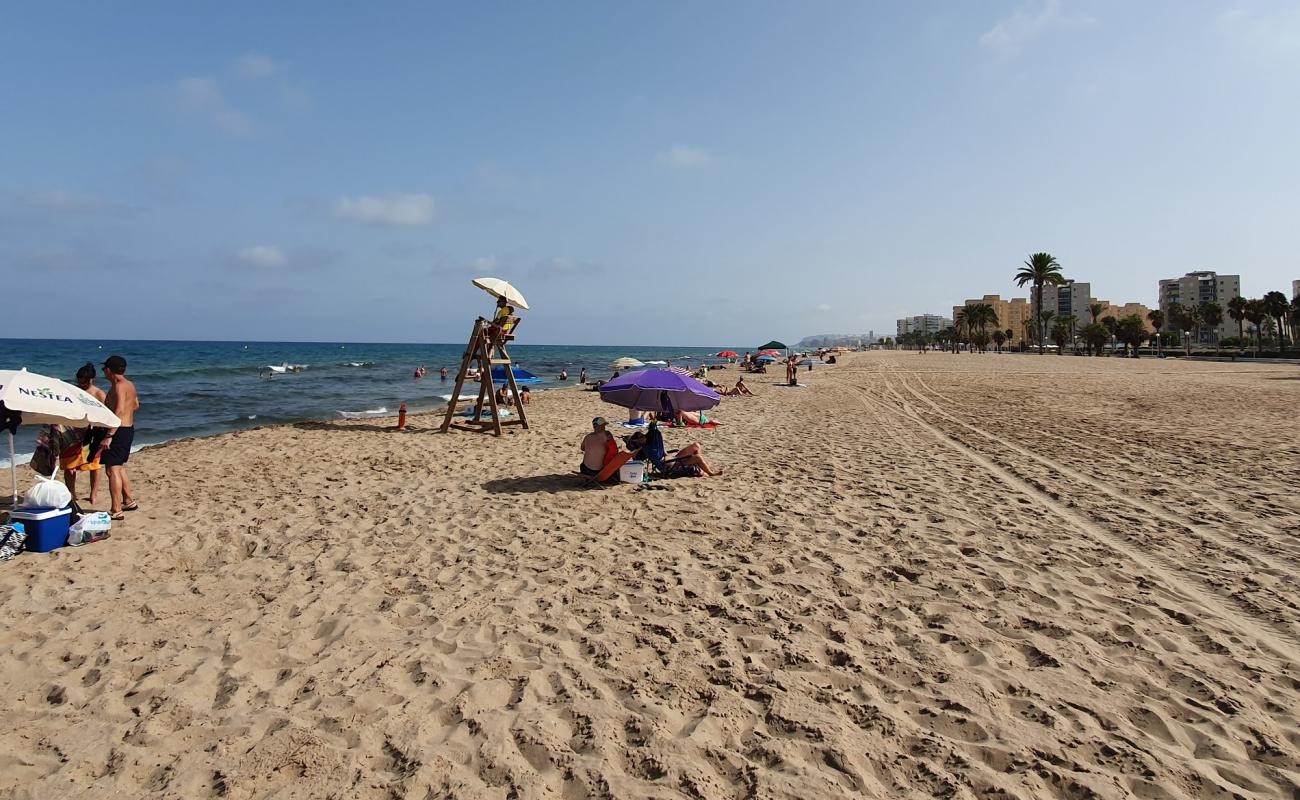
x: 116, y: 448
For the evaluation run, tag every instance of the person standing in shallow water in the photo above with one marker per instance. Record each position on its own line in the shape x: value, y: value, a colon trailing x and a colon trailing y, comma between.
x: 115, y: 450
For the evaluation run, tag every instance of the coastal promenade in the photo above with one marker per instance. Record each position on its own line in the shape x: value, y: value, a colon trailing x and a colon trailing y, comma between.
x: 922, y: 576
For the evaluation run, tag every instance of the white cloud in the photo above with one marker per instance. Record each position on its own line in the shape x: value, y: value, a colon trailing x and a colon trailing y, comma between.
x: 262, y: 255
x: 1029, y: 22
x: 255, y: 65
x: 394, y: 210
x: 1274, y: 35
x: 684, y: 157
x: 203, y: 98
x: 823, y: 307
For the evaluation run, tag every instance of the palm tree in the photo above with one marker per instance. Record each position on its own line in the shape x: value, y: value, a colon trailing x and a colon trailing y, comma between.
x: 982, y: 315
x: 961, y: 322
x: 1040, y: 269
x: 999, y: 339
x: 1184, y: 319
x: 1276, y: 306
x: 1094, y: 310
x: 1031, y: 332
x: 1060, y: 334
x: 1070, y: 321
x: 1210, y: 315
x: 1045, y: 325
x: 1131, y: 333
x: 1095, y: 335
x: 1157, y: 318
x: 1256, y: 313
x: 1237, y: 310
x: 1295, y: 319
x: 1010, y: 335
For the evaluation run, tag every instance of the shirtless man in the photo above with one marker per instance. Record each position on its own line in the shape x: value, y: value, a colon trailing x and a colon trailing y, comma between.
x: 116, y: 447
x: 593, y: 448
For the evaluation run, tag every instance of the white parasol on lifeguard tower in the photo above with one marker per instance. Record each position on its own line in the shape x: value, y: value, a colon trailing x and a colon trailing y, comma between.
x: 499, y: 288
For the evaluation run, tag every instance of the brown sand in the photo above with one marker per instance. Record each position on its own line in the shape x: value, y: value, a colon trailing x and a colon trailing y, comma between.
x: 923, y: 576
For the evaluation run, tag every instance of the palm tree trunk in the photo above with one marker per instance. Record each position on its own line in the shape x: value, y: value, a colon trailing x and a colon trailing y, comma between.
x: 1038, y: 311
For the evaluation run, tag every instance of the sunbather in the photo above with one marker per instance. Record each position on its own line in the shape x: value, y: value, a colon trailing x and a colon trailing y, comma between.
x: 686, y: 462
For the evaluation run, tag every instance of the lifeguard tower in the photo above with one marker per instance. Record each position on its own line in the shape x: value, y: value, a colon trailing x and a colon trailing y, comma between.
x: 486, y: 352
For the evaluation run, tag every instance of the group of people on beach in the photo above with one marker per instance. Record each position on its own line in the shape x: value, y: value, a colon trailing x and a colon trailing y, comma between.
x: 107, y: 448
x: 599, y: 450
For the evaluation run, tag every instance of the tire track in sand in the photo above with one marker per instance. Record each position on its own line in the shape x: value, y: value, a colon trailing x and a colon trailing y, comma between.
x: 1279, y: 641
x: 1185, y: 524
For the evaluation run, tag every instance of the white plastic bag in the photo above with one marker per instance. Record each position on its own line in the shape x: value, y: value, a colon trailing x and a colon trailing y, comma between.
x: 47, y: 493
x: 90, y: 528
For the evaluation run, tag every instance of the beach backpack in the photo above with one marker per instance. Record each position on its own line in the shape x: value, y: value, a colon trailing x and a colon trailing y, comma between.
x: 11, y: 542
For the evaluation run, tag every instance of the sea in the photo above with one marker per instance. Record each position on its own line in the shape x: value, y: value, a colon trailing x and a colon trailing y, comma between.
x: 190, y: 389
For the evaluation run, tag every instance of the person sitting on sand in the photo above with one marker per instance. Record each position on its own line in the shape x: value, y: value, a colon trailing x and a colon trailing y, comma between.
x: 595, y: 448
x: 739, y: 390
x: 525, y: 397
x: 564, y: 374
x: 503, y: 397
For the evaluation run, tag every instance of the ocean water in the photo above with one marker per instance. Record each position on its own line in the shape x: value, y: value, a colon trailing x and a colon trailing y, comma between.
x: 202, y: 388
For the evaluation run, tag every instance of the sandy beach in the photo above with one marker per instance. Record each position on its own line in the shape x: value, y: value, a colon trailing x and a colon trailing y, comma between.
x: 967, y: 576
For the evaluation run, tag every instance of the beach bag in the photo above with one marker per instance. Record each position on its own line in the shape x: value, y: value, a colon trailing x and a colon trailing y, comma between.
x: 47, y: 493
x: 11, y: 542
x: 90, y: 528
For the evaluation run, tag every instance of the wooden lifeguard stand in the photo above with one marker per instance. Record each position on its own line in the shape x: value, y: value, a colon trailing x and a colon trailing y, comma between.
x: 487, y: 348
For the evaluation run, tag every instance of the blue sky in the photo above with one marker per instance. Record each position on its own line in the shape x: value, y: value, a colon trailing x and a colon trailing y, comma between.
x: 670, y: 173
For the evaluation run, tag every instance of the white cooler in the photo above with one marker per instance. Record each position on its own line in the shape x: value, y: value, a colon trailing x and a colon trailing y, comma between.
x: 632, y: 472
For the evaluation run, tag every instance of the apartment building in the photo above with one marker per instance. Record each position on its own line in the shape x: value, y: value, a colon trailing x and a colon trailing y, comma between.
x: 1195, y: 288
x: 1126, y: 310
x: 1011, y: 314
x: 923, y: 323
x: 1069, y: 299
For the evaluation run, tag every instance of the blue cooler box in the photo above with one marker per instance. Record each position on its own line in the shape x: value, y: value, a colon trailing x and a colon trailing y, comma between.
x: 46, y: 528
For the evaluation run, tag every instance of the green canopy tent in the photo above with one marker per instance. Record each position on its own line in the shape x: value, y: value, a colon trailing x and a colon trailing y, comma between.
x: 773, y: 345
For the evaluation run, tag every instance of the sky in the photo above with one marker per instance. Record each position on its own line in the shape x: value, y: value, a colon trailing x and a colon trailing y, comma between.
x: 645, y: 173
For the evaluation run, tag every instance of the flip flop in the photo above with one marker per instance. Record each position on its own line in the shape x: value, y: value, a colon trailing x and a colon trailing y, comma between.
x: 118, y: 517
x: 132, y: 507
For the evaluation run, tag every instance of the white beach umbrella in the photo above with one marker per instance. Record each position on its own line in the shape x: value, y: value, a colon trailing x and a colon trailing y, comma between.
x: 47, y: 401
x: 499, y: 288
x: 626, y: 363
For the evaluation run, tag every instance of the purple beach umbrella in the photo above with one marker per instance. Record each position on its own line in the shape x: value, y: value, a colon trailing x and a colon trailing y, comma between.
x: 658, y: 390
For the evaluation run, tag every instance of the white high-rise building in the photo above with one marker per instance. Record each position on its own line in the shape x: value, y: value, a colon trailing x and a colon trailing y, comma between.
x: 1195, y: 288
x: 923, y: 323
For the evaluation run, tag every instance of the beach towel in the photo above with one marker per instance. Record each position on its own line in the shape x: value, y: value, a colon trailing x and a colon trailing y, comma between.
x: 11, y: 542
x: 688, y: 424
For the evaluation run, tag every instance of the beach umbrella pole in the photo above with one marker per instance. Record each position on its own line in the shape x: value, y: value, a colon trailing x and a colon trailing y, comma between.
x: 13, y: 468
